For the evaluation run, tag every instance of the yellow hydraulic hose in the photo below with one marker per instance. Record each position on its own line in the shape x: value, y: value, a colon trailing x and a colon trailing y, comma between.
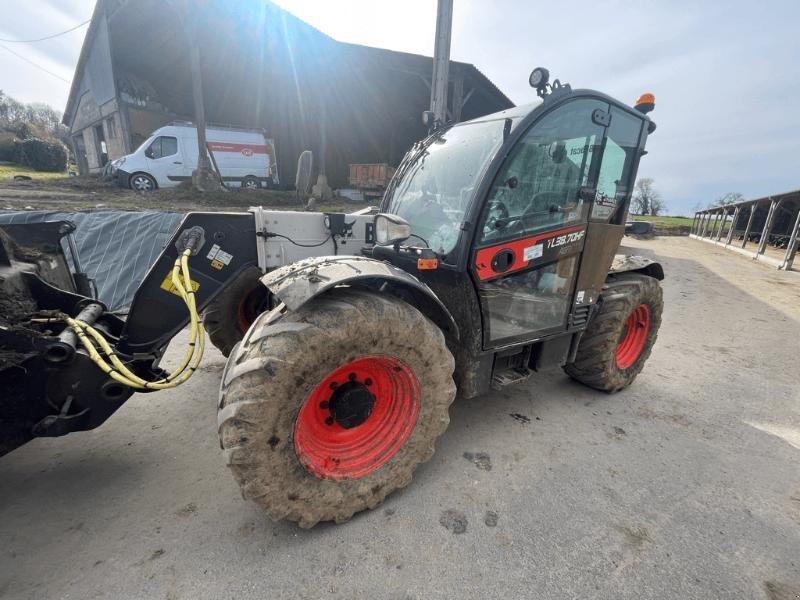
x: 117, y: 369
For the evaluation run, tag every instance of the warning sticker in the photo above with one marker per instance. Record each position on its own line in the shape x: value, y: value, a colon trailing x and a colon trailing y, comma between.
x: 532, y: 252
x: 218, y: 254
x: 168, y: 286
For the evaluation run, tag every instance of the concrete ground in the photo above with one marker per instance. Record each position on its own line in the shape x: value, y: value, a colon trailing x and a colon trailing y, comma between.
x: 686, y: 485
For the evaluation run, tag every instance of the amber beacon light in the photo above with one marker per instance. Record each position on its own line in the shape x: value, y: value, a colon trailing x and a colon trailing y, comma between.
x: 645, y: 103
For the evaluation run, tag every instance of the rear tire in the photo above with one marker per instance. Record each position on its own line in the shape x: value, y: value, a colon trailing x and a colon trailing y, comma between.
x: 230, y: 315
x: 251, y: 183
x: 619, y: 339
x: 285, y: 376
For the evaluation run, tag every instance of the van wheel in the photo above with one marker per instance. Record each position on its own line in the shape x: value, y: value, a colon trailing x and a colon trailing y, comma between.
x: 251, y: 183
x: 142, y: 182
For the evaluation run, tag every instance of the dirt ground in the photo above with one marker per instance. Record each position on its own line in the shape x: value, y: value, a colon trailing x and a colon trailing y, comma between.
x: 82, y: 193
x: 686, y: 485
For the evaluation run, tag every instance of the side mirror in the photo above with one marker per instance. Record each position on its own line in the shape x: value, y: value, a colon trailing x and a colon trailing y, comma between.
x: 391, y: 229
x: 149, y: 153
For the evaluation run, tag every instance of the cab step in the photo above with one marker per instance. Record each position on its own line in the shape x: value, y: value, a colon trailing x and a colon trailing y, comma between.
x: 509, y: 376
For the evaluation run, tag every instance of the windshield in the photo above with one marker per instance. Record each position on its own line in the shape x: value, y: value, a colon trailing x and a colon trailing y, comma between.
x: 434, y: 192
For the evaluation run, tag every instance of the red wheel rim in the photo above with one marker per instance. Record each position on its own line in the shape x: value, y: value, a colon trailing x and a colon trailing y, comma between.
x: 338, y: 435
x: 634, y: 336
x: 252, y: 305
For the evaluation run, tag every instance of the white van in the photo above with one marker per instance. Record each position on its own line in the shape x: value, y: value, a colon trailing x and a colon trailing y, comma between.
x: 244, y: 158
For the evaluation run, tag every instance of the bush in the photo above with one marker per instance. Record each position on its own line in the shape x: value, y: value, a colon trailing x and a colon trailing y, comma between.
x: 8, y: 146
x: 42, y: 155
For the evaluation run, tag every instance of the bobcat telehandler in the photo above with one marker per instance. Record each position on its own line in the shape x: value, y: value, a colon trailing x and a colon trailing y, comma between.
x: 492, y: 258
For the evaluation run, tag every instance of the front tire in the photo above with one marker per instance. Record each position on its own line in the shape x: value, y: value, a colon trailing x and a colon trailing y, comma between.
x: 618, y: 341
x: 326, y: 410
x: 142, y: 182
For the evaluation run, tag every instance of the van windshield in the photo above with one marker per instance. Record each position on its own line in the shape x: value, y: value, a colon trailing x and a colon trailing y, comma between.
x: 434, y: 191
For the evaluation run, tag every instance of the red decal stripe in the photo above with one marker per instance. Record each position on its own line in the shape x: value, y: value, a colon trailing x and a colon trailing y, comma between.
x: 484, y: 256
x: 231, y: 147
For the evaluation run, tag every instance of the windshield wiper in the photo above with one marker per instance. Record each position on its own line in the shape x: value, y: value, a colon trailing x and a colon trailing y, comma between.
x: 411, y: 157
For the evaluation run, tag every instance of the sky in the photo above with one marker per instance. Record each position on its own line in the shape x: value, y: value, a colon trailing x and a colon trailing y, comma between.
x: 726, y: 74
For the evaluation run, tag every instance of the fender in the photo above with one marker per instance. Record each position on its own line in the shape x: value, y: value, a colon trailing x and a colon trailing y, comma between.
x: 624, y: 263
x: 296, y: 284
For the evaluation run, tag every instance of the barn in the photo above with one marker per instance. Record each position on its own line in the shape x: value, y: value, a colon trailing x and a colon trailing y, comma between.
x: 262, y: 68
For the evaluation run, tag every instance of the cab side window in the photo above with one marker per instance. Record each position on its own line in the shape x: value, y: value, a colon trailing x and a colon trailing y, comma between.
x: 538, y: 188
x: 162, y: 146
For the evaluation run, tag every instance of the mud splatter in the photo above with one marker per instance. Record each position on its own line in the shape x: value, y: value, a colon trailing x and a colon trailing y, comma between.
x: 490, y: 518
x: 188, y: 510
x: 521, y: 418
x: 781, y: 591
x: 454, y: 521
x: 480, y: 459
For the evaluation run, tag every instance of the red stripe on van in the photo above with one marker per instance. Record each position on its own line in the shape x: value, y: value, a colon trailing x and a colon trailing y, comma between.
x: 243, y: 148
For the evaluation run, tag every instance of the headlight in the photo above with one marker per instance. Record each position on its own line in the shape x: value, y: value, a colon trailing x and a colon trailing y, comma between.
x: 391, y: 229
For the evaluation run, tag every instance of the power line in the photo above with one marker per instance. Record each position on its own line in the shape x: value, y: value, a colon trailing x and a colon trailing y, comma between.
x: 47, y: 37
x: 29, y: 61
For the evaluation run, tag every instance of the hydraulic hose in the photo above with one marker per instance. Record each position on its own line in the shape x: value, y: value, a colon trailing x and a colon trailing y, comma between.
x: 118, y: 371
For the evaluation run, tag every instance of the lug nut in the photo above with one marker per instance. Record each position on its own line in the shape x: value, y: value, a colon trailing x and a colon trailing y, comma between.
x: 352, y: 377
x: 334, y: 385
x: 368, y: 381
x: 324, y: 404
x: 329, y: 421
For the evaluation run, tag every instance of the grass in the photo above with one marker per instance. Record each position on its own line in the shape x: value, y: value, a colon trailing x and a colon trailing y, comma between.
x: 665, y: 222
x: 8, y: 171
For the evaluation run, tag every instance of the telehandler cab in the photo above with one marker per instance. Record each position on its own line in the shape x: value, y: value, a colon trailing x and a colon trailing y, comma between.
x: 492, y: 257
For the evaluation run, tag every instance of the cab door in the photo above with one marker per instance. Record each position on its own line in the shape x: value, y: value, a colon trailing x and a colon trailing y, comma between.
x: 533, y: 225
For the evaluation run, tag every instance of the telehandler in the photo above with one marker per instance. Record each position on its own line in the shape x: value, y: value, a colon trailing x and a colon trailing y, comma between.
x: 492, y: 257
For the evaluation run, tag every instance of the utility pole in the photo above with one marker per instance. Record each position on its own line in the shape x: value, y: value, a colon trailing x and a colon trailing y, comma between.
x: 441, y: 60
x: 204, y: 178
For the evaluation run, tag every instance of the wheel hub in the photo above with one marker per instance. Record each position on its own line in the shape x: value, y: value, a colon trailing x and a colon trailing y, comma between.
x: 357, y: 418
x: 351, y: 404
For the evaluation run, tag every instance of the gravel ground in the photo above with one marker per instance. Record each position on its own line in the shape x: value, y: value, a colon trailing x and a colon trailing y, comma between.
x: 686, y: 485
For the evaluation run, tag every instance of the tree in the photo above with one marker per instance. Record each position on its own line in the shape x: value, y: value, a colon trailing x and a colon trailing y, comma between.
x: 646, y: 199
x: 727, y: 199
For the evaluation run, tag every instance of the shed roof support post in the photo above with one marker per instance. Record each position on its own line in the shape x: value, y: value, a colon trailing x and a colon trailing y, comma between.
x: 762, y: 245
x: 716, y: 222
x: 791, y: 248
x: 704, y: 224
x: 694, y: 224
x: 722, y: 221
x: 736, y: 212
x: 753, y: 207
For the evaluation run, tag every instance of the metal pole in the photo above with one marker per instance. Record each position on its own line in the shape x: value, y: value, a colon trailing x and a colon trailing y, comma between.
x: 753, y: 208
x: 694, y: 223
x: 791, y: 249
x: 714, y: 225
x: 733, y: 224
x: 762, y: 246
x: 722, y: 222
x: 704, y: 224
x: 441, y: 60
